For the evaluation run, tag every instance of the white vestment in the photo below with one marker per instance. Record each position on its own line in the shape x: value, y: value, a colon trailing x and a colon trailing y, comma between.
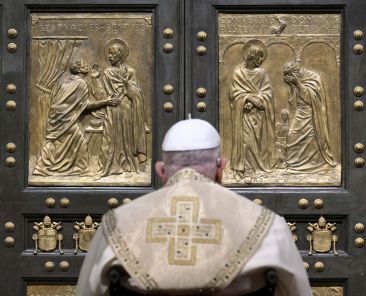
x: 193, y: 237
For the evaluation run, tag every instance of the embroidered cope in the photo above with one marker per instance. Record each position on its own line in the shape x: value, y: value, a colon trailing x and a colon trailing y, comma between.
x: 184, y: 231
x: 193, y: 237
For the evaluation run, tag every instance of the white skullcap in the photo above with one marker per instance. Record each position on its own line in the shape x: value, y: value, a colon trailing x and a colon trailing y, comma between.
x: 191, y: 134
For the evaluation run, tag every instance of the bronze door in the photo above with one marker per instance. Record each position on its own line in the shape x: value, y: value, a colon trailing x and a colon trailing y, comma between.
x: 79, y: 137
x: 271, y: 70
x: 71, y: 71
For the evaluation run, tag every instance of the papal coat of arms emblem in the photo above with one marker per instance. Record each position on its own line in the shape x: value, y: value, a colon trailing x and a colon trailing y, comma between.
x: 47, y: 235
x: 86, y: 231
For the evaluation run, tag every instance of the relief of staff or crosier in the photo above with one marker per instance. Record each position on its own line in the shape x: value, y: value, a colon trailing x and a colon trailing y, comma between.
x: 282, y: 101
x: 96, y: 116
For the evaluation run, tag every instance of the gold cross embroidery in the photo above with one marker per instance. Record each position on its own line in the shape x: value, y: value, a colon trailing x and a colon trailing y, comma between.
x: 183, y: 230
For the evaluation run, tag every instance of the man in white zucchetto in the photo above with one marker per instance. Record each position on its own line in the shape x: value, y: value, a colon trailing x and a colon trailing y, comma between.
x: 193, y: 236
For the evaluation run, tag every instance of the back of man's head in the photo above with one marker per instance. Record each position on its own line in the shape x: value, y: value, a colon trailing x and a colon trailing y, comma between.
x: 192, y: 143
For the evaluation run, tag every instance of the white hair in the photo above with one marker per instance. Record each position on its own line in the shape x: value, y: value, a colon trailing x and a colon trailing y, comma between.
x: 204, y: 161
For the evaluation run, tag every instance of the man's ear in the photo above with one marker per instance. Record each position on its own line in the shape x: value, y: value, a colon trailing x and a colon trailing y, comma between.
x: 220, y: 169
x: 160, y: 170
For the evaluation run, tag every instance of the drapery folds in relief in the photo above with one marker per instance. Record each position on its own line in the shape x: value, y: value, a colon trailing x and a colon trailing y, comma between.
x: 275, y: 107
x: 53, y: 58
x: 308, y: 145
x: 65, y: 148
x: 65, y: 151
x: 253, y: 147
x: 91, y: 128
x: 124, y: 139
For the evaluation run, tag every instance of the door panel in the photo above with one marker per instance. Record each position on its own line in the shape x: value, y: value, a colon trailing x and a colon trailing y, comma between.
x: 322, y: 208
x: 99, y: 151
x: 184, y: 55
x: 51, y: 209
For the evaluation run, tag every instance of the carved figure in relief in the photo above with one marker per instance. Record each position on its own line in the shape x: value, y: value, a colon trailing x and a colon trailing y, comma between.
x: 65, y: 150
x: 308, y: 146
x: 282, y: 128
x: 253, y: 144
x: 123, y: 147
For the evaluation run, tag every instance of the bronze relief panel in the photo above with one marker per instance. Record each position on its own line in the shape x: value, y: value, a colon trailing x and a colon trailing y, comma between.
x: 51, y: 290
x: 327, y: 291
x: 279, y: 82
x: 90, y: 99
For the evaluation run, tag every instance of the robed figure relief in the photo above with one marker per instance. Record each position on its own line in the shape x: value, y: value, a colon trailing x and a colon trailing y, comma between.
x: 280, y: 110
x: 90, y: 117
x: 123, y: 147
x: 308, y: 145
x: 251, y: 101
x: 65, y: 151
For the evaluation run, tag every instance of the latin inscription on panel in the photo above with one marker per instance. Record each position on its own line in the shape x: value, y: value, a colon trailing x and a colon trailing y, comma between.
x: 51, y: 290
x: 90, y: 99
x: 280, y: 99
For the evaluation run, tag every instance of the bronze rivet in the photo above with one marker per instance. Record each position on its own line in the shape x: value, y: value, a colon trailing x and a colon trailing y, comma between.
x: 12, y: 33
x: 201, y: 107
x: 201, y: 92
x: 258, y: 201
x: 64, y: 266
x: 359, y: 228
x: 112, y: 202
x: 359, y: 147
x: 359, y: 162
x: 10, y: 161
x: 11, y: 105
x: 319, y: 266
x: 358, y: 91
x: 359, y: 242
x: 168, y: 47
x: 303, y: 203
x: 64, y: 202
x: 306, y: 266
x: 9, y: 226
x: 126, y: 201
x: 168, y: 89
x: 201, y: 35
x: 50, y: 202
x: 12, y: 47
x: 10, y: 147
x: 201, y: 50
x: 9, y: 242
x: 168, y: 107
x: 358, y: 35
x: 318, y: 203
x: 49, y: 266
x: 358, y: 49
x: 11, y: 88
x: 168, y: 33
x: 358, y: 105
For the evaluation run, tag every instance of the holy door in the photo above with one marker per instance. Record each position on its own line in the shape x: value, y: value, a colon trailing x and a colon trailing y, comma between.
x: 282, y: 80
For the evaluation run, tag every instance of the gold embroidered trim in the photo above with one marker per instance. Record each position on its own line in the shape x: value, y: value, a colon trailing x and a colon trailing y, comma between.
x: 187, y: 174
x: 183, y: 230
x: 123, y: 253
x: 249, y: 246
